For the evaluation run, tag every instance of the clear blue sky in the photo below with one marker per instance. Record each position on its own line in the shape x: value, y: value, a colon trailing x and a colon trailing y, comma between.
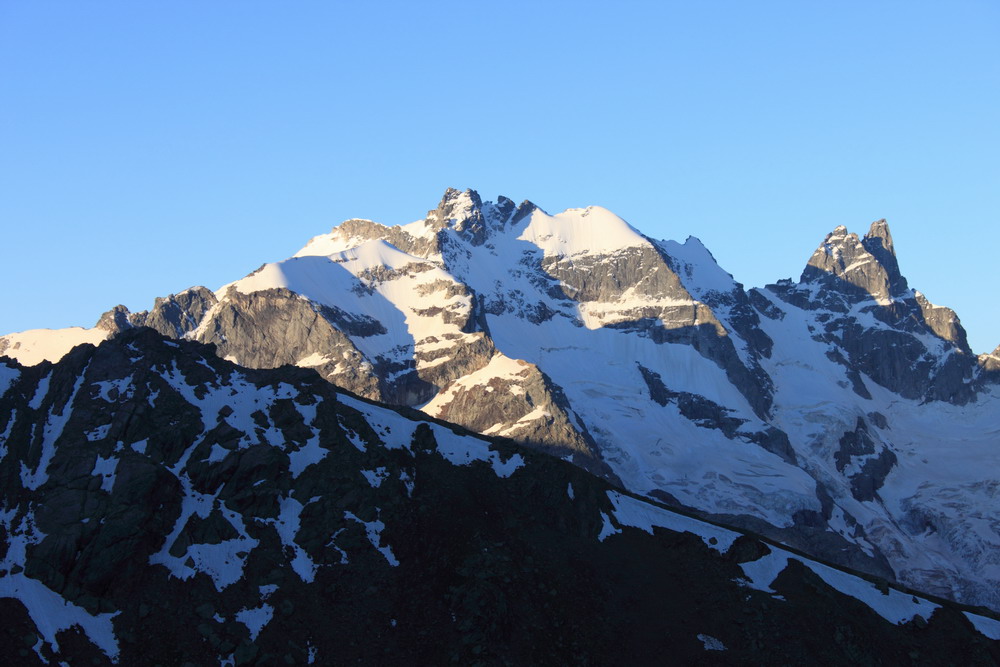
x: 146, y: 147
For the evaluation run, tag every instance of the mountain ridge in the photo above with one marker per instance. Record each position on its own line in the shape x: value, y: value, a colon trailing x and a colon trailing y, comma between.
x: 783, y: 408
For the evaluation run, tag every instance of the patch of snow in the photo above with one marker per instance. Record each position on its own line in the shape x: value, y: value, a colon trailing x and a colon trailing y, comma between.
x: 593, y: 230
x: 51, y: 431
x: 761, y: 573
x: 105, y: 468
x: 373, y: 530
x: 638, y: 514
x: 500, y: 367
x: 376, y: 477
x: 607, y: 528
x: 711, y: 643
x: 98, y: 433
x: 6, y: 432
x: 223, y: 562
x: 988, y: 627
x: 537, y: 413
x: 313, y: 360
x: 408, y: 482
x: 333, y: 543
x: 395, y: 430
x: 37, y: 345
x: 463, y: 450
x: 287, y: 524
x: 40, y: 392
x: 217, y: 453
x: 895, y: 607
x: 305, y: 456
x: 701, y: 274
x: 255, y: 619
x: 121, y: 388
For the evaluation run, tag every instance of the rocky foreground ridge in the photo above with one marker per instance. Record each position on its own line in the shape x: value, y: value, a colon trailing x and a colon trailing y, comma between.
x: 842, y: 414
x: 160, y: 505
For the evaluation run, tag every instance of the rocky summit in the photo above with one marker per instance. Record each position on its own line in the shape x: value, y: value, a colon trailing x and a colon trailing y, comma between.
x: 841, y: 416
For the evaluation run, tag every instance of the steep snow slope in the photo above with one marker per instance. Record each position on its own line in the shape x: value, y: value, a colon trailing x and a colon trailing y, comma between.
x: 932, y: 513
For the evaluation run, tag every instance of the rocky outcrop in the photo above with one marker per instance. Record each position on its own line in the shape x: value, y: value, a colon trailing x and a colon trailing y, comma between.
x: 943, y: 323
x: 857, y: 268
x: 989, y: 362
x: 177, y: 314
x: 637, y: 291
x: 359, y: 231
x: 879, y: 326
x: 864, y: 461
x: 278, y: 328
x: 173, y: 316
x: 115, y: 320
x: 514, y: 399
x: 708, y: 414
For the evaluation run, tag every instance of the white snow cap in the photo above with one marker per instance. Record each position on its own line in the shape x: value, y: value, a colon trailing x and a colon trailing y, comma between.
x: 591, y: 230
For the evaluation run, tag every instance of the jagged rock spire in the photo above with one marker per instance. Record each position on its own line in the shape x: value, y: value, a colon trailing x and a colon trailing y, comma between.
x: 115, y: 320
x: 467, y: 213
x: 878, y: 234
x: 461, y: 210
x: 878, y: 242
x: 861, y: 267
x: 456, y: 206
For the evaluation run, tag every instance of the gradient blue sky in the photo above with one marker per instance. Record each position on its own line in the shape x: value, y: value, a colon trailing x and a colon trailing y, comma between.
x: 146, y: 147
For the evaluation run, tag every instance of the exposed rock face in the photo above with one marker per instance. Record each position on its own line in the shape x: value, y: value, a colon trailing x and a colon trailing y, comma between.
x: 177, y: 314
x: 514, y: 399
x: 115, y: 320
x: 172, y: 316
x: 646, y: 297
x: 857, y: 268
x: 277, y: 328
x: 883, y: 329
x: 943, y: 322
x: 156, y: 500
x: 865, y: 462
x: 989, y: 362
x: 707, y: 414
x: 366, y: 230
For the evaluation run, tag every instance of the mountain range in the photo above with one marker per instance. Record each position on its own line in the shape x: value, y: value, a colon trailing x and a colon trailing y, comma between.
x: 843, y: 417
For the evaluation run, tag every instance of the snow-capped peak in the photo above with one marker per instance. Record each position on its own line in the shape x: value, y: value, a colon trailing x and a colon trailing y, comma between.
x: 593, y: 230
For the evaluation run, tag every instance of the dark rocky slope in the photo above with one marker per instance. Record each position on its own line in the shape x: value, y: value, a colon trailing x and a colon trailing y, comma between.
x: 161, y: 506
